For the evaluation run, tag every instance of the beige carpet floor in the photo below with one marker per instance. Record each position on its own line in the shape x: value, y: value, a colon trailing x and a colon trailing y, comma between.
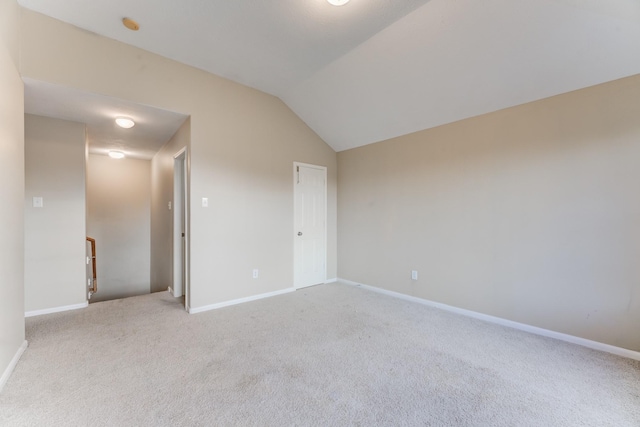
x: 331, y: 355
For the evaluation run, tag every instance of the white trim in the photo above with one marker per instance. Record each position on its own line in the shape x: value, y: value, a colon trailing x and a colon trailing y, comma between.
x: 239, y: 301
x: 334, y: 280
x: 56, y: 309
x: 179, y: 153
x: 12, y: 365
x: 326, y: 218
x: 595, y: 345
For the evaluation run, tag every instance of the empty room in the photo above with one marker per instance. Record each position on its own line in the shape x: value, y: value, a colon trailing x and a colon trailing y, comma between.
x: 320, y: 212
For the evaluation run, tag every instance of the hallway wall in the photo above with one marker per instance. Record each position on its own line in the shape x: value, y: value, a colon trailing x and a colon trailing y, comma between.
x: 118, y: 217
x: 54, y: 233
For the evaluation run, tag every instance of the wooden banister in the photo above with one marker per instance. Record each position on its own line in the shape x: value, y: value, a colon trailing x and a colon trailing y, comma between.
x: 94, y: 282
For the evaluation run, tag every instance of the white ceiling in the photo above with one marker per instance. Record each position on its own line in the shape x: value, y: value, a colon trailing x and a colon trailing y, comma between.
x: 376, y: 69
x: 154, y: 127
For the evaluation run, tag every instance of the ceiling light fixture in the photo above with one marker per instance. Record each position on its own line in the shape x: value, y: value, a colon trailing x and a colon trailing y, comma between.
x: 116, y: 154
x: 338, y: 2
x: 125, y: 122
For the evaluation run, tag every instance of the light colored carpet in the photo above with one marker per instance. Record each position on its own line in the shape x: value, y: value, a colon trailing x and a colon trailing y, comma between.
x: 331, y: 355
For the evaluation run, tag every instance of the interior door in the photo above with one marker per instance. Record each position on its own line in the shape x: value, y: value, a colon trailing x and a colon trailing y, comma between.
x: 310, y: 225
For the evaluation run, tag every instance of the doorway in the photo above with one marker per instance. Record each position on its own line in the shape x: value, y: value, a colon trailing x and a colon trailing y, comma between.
x: 180, y: 228
x: 310, y: 224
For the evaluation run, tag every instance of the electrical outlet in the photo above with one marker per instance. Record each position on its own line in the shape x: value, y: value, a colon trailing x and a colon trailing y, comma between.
x: 414, y: 275
x: 255, y: 273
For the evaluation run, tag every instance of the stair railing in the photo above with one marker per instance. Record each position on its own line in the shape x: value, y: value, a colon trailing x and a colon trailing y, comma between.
x: 94, y: 280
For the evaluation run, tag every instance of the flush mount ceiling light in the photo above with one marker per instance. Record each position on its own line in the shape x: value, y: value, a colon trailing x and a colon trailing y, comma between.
x: 116, y: 154
x: 125, y: 122
x: 338, y: 2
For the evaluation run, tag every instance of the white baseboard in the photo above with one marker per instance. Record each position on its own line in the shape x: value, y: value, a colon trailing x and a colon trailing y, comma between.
x: 194, y: 310
x: 12, y: 365
x: 56, y: 309
x: 334, y: 280
x: 504, y: 322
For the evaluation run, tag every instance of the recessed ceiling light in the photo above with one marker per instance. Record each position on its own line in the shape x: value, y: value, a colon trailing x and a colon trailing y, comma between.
x: 133, y: 25
x: 125, y: 122
x: 338, y: 2
x: 116, y: 154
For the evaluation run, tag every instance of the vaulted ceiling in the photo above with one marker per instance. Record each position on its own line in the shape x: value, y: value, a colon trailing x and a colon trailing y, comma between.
x: 375, y: 69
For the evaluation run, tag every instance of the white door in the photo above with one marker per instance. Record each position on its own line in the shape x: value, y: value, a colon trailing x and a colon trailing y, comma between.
x: 310, y: 224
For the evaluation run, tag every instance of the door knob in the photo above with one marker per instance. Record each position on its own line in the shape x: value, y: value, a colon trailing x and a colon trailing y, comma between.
x: 299, y: 233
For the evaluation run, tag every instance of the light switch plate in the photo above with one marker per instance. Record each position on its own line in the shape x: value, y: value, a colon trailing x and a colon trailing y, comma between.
x: 38, y: 202
x: 205, y: 202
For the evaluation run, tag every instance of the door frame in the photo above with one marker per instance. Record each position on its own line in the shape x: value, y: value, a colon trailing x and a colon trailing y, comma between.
x: 325, y: 213
x: 180, y: 191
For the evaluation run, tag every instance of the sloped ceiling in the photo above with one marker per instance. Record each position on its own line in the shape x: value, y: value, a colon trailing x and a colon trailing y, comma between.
x: 375, y: 69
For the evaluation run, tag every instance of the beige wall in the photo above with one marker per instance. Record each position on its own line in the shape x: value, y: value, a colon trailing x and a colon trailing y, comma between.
x: 118, y: 217
x: 54, y: 234
x: 11, y: 189
x: 530, y: 214
x: 161, y: 216
x: 243, y: 145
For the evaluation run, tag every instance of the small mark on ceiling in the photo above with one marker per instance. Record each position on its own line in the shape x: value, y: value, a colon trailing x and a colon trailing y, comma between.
x: 130, y: 24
